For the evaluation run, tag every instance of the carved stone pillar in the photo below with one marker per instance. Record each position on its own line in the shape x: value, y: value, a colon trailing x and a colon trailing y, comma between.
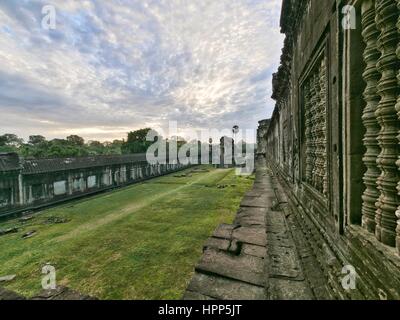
x: 386, y: 221
x: 371, y: 77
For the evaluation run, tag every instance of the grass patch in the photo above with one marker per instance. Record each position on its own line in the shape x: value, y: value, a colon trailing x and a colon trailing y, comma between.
x: 140, y: 242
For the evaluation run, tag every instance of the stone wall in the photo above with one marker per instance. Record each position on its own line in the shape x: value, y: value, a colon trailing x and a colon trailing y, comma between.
x: 333, y: 137
x: 31, y: 184
x: 262, y: 137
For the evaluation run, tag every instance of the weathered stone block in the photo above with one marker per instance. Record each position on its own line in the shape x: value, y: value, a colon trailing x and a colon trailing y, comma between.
x: 245, y: 268
x: 252, y: 250
x: 256, y: 236
x: 282, y: 289
x: 259, y: 202
x: 224, y: 231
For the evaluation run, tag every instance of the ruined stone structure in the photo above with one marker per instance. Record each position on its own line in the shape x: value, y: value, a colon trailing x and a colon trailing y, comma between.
x: 226, y: 152
x: 333, y: 140
x: 31, y: 184
x: 323, y: 218
x: 262, y: 137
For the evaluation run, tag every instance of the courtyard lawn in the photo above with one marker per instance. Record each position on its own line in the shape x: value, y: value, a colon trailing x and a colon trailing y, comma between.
x: 140, y: 242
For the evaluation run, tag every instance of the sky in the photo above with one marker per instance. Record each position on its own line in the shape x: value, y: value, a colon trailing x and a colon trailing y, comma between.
x: 113, y: 66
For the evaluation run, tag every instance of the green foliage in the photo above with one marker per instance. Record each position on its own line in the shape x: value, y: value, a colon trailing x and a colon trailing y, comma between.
x: 76, y: 140
x: 56, y: 148
x: 10, y: 140
x: 135, y: 147
x: 137, y: 142
x: 8, y: 149
x: 73, y: 146
x: 36, y: 140
x: 138, y: 135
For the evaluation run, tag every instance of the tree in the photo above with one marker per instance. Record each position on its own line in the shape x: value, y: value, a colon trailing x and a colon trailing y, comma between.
x: 96, y: 147
x: 137, y: 142
x: 117, y: 143
x: 76, y: 140
x: 3, y: 140
x: 138, y: 135
x: 36, y: 139
x: 73, y: 146
x: 11, y: 140
x: 95, y: 144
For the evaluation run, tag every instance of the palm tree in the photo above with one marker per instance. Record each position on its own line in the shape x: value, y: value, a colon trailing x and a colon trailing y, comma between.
x: 235, y: 130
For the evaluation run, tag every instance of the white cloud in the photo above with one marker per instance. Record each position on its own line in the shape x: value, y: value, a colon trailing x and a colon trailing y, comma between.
x: 112, y: 66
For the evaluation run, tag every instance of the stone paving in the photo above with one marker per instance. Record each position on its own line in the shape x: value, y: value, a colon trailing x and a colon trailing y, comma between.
x: 257, y: 257
x: 60, y: 293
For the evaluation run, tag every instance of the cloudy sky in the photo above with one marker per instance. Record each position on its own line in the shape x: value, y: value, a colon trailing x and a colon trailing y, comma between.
x: 117, y: 65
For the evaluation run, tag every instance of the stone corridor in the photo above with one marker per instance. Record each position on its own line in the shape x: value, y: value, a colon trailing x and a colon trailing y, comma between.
x: 261, y: 256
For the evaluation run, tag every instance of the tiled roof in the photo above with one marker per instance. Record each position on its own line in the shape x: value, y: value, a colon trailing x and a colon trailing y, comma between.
x: 9, y: 162
x: 62, y: 164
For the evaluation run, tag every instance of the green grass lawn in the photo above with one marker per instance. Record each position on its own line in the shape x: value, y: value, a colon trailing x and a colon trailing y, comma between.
x: 140, y: 242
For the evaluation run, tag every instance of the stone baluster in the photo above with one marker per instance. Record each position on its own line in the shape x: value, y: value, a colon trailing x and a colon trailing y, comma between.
x: 307, y: 107
x: 315, y: 100
x: 323, y: 128
x: 386, y: 221
x: 398, y: 113
x: 371, y: 76
x: 316, y: 130
x: 313, y: 116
